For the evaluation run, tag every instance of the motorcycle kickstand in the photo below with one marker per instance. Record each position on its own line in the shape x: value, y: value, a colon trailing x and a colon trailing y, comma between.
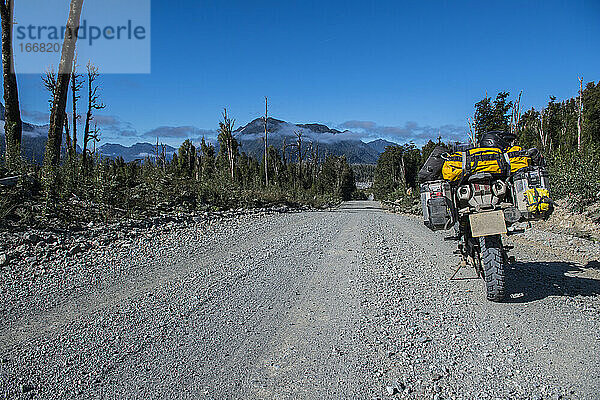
x: 462, y: 264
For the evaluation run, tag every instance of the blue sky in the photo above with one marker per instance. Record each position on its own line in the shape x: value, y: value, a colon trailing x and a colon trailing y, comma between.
x: 401, y: 70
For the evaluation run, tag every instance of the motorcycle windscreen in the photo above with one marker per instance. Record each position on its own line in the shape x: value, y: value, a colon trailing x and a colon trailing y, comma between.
x: 487, y: 223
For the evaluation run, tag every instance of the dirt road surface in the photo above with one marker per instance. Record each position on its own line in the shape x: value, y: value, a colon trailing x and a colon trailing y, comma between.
x: 354, y: 303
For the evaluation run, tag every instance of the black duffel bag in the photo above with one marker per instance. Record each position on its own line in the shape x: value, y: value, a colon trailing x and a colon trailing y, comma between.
x: 432, y: 169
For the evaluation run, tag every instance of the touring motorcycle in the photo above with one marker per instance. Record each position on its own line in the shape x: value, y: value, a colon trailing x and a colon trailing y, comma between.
x: 481, y: 193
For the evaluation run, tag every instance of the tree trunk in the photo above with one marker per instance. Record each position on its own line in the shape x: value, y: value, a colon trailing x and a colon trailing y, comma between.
x: 283, y: 153
x: 59, y: 103
x: 74, y: 98
x: 13, y: 126
x: 86, y: 137
x: 266, y: 145
x: 579, y: 114
x: 231, y: 158
x: 68, y: 137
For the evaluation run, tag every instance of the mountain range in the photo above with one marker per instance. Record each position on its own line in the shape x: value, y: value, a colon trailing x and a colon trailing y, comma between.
x: 250, y: 136
x: 329, y: 141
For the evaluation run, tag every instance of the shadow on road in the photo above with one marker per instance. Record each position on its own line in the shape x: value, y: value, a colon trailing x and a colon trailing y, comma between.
x: 526, y: 282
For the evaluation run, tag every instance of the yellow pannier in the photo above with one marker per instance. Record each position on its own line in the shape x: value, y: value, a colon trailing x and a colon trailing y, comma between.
x: 538, y: 201
x: 518, y: 158
x: 480, y: 159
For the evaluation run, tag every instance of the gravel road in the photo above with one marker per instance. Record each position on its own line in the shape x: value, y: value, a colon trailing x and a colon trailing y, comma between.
x: 354, y: 303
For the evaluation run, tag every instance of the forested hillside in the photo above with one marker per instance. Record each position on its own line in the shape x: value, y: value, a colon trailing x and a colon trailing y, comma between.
x: 195, y: 178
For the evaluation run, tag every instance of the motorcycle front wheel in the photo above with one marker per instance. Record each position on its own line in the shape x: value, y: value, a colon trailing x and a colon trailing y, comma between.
x: 492, y: 261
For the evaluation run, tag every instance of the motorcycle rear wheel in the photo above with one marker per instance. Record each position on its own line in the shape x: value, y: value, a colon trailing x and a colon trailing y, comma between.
x: 493, y: 266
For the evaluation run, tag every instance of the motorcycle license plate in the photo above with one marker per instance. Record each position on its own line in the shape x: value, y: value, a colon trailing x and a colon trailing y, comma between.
x: 487, y: 223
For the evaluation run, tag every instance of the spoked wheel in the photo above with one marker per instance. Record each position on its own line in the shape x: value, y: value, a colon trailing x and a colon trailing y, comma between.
x: 492, y: 261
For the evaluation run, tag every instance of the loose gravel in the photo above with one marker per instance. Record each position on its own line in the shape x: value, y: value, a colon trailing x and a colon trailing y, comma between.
x: 352, y: 303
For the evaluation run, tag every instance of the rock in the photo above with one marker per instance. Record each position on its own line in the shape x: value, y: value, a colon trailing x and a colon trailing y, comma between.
x: 31, y: 238
x: 74, y: 250
x: 26, y: 388
x: 391, y: 390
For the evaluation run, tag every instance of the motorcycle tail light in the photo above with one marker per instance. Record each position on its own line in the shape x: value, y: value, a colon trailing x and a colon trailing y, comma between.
x: 480, y: 188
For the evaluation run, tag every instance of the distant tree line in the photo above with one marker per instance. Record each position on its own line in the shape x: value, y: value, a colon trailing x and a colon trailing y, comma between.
x: 195, y: 178
x: 363, y: 172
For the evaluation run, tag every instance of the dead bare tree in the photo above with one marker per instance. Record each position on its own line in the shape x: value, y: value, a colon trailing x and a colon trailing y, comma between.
x: 472, y: 134
x: 579, y: 113
x: 13, y: 126
x: 156, y: 151
x: 299, y: 153
x: 160, y: 154
x: 93, y: 136
x: 76, y: 85
x: 515, y: 116
x: 542, y: 133
x: 266, y: 158
x: 93, y: 104
x: 49, y: 80
x: 283, y: 150
x: 68, y: 137
x: 226, y: 130
x: 315, y: 159
x: 59, y: 103
x: 50, y: 83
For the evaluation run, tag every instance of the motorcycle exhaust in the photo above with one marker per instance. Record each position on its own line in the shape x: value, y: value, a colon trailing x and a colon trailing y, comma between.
x: 499, y: 188
x: 464, y: 193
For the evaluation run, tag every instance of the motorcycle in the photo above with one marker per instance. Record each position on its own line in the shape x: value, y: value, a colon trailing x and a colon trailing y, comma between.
x: 484, y: 203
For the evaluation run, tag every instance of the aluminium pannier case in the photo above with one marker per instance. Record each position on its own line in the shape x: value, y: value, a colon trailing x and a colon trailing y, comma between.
x: 532, y: 193
x: 438, y: 207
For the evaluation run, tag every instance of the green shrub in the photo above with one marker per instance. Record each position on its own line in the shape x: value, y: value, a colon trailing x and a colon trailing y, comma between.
x: 576, y: 175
